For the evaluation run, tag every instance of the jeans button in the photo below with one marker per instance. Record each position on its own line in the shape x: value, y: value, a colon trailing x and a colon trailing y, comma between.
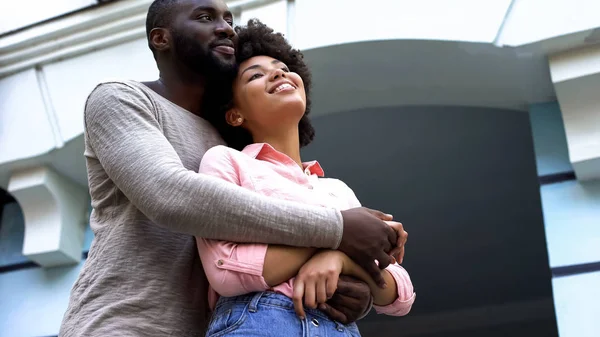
x: 315, y: 322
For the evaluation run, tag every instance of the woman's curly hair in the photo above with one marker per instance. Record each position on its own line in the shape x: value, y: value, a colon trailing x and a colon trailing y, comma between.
x: 257, y: 39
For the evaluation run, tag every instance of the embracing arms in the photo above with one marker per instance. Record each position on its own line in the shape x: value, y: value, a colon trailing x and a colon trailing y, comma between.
x: 124, y: 135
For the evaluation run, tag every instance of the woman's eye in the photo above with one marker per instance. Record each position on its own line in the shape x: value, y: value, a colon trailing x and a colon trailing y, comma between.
x: 255, y: 76
x: 285, y: 69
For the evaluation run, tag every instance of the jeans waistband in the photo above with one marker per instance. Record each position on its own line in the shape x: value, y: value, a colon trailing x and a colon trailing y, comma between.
x: 267, y: 298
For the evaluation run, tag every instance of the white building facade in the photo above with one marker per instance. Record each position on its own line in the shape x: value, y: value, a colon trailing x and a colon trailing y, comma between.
x: 537, y: 61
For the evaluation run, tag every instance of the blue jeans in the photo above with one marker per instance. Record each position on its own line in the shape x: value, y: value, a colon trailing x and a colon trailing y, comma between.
x: 270, y: 314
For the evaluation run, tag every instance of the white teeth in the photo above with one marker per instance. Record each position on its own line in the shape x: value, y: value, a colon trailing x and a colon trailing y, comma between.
x: 282, y: 87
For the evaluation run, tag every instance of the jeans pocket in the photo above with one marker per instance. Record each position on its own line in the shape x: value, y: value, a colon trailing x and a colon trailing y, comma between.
x: 226, y: 320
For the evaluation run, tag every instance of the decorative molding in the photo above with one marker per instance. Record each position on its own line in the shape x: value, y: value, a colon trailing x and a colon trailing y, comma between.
x: 576, y: 77
x: 49, y: 107
x: 555, y: 178
x: 576, y: 269
x: 54, y: 209
x: 82, y: 32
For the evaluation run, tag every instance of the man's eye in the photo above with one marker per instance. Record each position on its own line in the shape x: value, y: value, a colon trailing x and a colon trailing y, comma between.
x: 204, y: 17
x: 230, y: 22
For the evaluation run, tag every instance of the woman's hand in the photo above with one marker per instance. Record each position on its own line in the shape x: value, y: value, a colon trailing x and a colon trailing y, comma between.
x: 398, y: 252
x: 317, y: 280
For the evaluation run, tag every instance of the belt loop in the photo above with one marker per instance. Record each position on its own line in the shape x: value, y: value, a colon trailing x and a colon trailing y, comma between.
x: 253, y: 306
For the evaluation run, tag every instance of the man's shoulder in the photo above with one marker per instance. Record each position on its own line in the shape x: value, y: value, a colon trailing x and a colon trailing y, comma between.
x: 119, y: 88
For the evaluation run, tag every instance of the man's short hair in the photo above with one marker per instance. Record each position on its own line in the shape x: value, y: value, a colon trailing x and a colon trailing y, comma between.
x: 159, y: 15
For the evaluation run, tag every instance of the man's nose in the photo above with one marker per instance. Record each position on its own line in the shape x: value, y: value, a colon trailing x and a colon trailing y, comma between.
x: 224, y: 30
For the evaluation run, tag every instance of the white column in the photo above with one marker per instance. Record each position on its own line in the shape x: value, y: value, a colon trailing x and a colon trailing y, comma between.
x: 54, y: 209
x: 576, y: 78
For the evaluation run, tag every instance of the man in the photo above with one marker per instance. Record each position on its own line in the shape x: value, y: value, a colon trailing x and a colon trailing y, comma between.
x: 144, y: 143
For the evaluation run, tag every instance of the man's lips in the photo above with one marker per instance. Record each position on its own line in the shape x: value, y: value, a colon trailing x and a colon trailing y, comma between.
x: 225, y: 50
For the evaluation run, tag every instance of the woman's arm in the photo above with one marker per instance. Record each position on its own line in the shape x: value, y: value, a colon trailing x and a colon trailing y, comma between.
x: 235, y: 269
x: 313, y: 284
x: 283, y: 262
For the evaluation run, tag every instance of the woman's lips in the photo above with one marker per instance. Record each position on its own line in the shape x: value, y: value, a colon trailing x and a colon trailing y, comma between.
x: 225, y: 50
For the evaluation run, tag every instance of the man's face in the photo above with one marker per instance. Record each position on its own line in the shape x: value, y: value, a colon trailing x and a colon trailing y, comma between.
x: 203, y: 36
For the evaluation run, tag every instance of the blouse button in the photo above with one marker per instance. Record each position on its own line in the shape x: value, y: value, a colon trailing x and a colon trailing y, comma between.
x: 220, y: 263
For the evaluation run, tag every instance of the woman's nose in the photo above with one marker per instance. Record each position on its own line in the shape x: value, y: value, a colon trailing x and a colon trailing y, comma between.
x: 277, y: 73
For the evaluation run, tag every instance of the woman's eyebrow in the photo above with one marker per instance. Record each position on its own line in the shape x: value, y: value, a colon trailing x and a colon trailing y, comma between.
x: 254, y: 66
x: 250, y: 68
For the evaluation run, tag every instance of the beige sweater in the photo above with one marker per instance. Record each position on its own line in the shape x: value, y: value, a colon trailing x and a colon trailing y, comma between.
x: 143, y: 276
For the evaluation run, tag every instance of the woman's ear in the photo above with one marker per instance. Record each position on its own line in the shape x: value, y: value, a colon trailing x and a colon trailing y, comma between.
x: 233, y: 117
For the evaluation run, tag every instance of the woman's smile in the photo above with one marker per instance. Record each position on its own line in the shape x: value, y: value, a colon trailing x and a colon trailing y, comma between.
x: 282, y: 86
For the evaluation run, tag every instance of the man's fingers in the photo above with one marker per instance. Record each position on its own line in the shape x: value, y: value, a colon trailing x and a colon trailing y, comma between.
x: 384, y: 261
x: 297, y: 299
x: 349, y: 285
x: 379, y: 214
x: 375, y: 272
x: 345, y: 302
x: 334, y: 314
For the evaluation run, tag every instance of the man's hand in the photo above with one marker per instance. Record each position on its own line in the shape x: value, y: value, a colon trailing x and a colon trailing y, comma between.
x: 366, y: 238
x: 350, y: 301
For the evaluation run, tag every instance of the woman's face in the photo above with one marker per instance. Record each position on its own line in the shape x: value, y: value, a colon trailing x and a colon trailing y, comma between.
x: 267, y: 96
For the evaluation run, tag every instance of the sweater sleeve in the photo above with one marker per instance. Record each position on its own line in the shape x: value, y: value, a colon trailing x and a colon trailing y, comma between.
x: 125, y: 135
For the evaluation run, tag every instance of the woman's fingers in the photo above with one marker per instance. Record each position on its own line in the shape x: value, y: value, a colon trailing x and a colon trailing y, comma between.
x: 310, y: 294
x: 298, y: 297
x: 321, y: 291
x: 332, y: 285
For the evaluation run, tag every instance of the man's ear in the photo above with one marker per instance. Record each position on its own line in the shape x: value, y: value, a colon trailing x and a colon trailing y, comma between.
x: 233, y: 117
x: 160, y: 39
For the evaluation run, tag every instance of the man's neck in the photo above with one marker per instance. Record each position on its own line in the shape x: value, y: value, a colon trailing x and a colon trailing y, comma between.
x: 180, y: 86
x: 286, y: 142
x: 188, y: 93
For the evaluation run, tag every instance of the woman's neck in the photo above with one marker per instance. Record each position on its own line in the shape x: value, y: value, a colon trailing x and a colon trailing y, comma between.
x: 286, y: 142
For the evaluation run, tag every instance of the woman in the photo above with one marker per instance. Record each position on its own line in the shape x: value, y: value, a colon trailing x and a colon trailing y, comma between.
x: 255, y: 288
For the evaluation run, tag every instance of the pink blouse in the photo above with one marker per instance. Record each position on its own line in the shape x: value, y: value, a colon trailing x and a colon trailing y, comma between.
x: 236, y: 269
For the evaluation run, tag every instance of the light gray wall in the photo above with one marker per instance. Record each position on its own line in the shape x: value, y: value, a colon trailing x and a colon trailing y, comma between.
x: 552, y: 154
x: 572, y: 222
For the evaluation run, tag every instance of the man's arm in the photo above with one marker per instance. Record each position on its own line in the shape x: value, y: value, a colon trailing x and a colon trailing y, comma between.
x: 126, y: 138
